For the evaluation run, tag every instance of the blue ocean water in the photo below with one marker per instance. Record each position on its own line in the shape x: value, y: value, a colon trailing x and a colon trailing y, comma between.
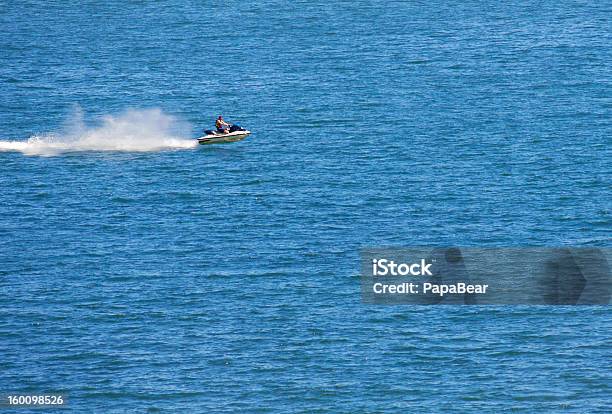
x: 142, y: 273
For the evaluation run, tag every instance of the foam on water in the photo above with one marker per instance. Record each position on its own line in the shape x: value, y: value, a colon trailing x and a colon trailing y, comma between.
x: 132, y: 130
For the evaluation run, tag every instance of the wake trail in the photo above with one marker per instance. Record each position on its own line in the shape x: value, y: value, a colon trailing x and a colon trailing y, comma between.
x: 133, y: 130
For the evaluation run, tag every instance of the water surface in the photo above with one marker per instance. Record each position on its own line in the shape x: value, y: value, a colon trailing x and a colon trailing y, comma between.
x: 140, y: 272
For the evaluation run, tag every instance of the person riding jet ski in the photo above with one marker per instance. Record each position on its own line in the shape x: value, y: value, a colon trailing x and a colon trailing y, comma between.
x: 221, y: 125
x: 225, y: 133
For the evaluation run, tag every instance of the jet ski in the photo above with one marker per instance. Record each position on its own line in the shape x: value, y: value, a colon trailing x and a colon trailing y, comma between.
x: 235, y: 133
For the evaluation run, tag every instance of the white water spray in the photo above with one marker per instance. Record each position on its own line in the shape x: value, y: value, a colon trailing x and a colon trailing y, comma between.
x: 133, y: 130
